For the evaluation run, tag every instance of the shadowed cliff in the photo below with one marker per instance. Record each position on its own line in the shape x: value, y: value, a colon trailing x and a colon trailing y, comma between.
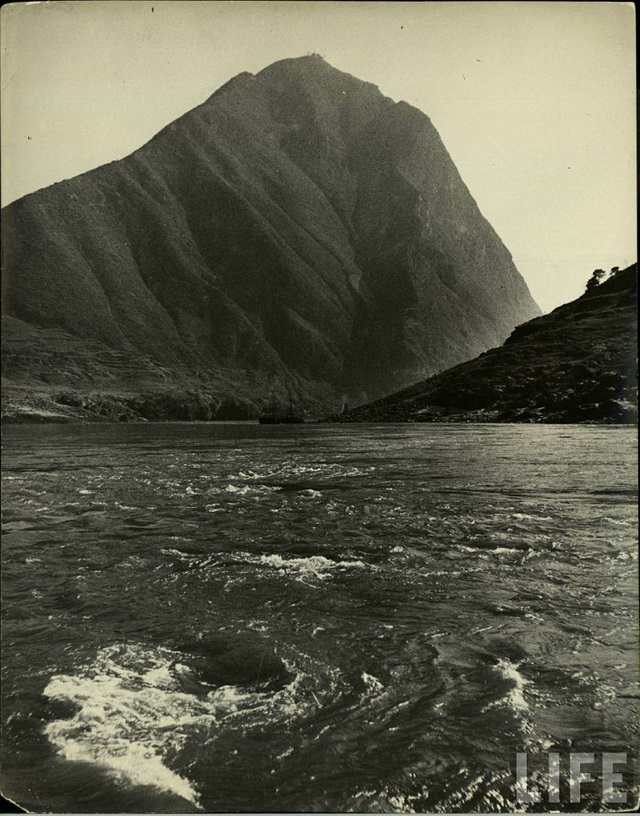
x: 576, y: 364
x: 297, y: 233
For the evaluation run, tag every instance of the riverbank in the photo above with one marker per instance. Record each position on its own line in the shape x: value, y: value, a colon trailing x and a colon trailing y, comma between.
x: 41, y: 404
x: 575, y: 365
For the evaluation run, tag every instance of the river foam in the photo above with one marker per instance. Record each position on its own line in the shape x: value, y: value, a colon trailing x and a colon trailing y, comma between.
x: 130, y: 713
x: 138, y: 707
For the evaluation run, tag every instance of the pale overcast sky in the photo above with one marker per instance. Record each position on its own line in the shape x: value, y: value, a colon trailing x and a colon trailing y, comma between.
x: 535, y: 101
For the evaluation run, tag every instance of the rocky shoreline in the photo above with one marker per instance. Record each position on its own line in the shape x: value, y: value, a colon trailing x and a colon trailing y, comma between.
x: 63, y: 406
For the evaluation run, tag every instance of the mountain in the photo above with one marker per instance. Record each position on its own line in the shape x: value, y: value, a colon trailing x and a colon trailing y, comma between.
x: 576, y: 364
x: 298, y: 232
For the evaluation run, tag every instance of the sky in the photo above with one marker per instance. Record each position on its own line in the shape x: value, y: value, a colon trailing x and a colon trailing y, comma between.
x: 535, y: 101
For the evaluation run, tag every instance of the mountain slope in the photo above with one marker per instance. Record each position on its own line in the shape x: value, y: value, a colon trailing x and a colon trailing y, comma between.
x: 296, y: 228
x: 576, y: 364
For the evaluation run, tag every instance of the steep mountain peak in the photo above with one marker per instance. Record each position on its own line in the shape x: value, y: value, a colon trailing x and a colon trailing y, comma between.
x: 313, y: 72
x: 292, y: 69
x: 314, y: 60
x: 297, y: 227
x: 308, y: 64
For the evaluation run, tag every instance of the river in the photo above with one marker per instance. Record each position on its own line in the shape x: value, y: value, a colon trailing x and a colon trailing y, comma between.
x: 360, y: 618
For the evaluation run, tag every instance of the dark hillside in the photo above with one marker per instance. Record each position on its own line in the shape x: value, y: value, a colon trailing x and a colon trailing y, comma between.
x: 576, y: 364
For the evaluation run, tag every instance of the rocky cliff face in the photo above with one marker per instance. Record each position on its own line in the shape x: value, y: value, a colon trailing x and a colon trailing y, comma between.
x: 298, y: 230
x: 577, y: 364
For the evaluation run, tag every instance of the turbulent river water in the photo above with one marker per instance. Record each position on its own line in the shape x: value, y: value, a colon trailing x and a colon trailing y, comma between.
x: 234, y: 617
